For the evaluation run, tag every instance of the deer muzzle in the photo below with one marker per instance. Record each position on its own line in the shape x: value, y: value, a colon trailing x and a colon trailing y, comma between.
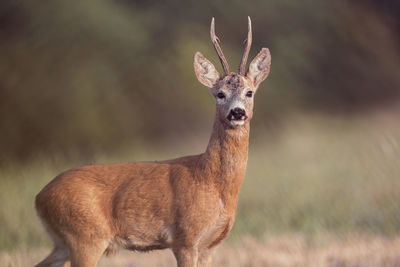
x: 237, y: 116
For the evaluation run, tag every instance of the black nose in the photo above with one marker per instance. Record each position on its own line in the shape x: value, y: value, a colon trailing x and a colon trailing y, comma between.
x: 237, y: 114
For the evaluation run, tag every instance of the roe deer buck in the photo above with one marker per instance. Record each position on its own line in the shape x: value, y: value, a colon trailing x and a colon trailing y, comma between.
x: 187, y: 204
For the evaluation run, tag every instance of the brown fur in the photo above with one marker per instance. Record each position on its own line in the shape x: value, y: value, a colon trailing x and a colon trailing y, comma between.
x: 187, y: 204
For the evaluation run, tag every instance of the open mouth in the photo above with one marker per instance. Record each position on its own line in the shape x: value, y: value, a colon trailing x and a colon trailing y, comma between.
x: 237, y: 120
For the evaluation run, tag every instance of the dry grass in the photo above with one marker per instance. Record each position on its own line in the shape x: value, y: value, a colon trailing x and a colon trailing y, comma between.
x: 283, y: 251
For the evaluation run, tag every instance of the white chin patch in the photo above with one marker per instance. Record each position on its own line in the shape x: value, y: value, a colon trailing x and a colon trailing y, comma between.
x: 237, y: 123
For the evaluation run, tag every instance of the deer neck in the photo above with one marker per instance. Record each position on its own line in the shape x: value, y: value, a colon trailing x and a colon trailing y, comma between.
x: 225, y: 158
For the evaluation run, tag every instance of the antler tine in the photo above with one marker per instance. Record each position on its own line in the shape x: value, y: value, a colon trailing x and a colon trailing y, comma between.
x: 242, y: 67
x: 215, y: 41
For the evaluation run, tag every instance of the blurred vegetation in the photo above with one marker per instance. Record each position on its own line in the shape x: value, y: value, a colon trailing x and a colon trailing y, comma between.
x: 94, y: 76
x: 112, y: 80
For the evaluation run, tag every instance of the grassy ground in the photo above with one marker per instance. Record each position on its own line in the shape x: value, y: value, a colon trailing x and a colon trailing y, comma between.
x: 285, y: 251
x: 340, y: 175
x: 308, y: 176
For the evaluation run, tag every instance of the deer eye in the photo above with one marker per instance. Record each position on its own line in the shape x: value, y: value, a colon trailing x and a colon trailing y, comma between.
x: 249, y: 93
x: 221, y: 95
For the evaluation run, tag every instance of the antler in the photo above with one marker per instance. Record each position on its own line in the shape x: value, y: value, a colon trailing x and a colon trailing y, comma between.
x: 242, y: 67
x: 215, y: 41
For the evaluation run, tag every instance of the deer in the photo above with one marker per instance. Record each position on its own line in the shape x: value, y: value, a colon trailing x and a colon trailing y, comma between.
x: 187, y: 204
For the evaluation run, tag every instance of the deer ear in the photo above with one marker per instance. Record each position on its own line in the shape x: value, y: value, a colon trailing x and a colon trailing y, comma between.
x: 259, y: 67
x: 205, y: 70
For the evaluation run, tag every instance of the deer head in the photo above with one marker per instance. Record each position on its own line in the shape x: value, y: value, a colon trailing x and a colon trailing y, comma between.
x: 234, y: 92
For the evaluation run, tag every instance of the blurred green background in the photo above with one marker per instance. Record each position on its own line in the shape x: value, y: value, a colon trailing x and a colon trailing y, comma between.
x: 102, y: 81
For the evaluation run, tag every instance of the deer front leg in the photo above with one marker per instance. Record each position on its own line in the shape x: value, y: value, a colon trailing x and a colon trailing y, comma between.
x: 186, y: 257
x: 205, y: 257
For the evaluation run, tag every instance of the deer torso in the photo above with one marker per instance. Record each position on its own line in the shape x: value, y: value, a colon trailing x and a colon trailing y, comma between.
x: 191, y: 199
